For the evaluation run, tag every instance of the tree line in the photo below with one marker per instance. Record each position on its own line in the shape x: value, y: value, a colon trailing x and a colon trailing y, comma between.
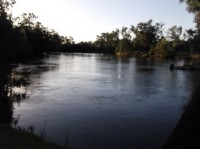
x: 24, y: 37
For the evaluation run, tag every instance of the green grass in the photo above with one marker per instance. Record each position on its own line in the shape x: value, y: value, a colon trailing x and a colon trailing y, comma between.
x: 11, y: 138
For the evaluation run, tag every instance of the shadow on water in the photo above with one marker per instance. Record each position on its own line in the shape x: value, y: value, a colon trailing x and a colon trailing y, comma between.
x: 14, y: 83
x: 10, y: 92
x: 6, y: 106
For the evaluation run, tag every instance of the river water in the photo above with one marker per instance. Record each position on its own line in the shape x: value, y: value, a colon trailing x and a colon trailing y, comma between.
x: 101, y: 101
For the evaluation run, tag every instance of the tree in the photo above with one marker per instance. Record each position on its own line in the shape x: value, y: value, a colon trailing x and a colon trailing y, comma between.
x: 5, y: 6
x: 125, y: 32
x: 193, y: 39
x: 193, y: 6
x: 67, y: 40
x: 107, y: 42
x: 6, y: 27
x: 124, y: 45
x: 163, y: 49
x: 174, y: 35
x: 190, y: 34
x: 27, y: 20
x: 146, y: 35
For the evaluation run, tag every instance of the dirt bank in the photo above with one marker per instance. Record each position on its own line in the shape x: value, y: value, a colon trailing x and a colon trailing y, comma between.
x: 186, y: 135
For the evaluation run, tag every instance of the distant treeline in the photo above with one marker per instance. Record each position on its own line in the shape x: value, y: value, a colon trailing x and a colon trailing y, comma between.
x: 24, y: 37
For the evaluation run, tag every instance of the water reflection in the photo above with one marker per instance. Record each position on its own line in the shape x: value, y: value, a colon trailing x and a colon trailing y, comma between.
x: 106, y: 101
x: 6, y: 106
x: 12, y: 89
x: 14, y: 85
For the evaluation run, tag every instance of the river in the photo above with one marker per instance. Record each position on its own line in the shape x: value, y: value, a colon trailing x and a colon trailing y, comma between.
x: 100, y: 101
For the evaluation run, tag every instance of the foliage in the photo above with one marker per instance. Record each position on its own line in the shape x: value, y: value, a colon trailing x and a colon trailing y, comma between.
x: 24, y: 37
x: 5, y: 6
x: 174, y: 36
x: 124, y: 46
x: 146, y: 35
x: 174, y: 33
x: 163, y: 49
x: 193, y: 6
x: 107, y: 42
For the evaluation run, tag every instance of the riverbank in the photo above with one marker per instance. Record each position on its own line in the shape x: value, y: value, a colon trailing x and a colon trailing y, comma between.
x: 186, y: 135
x: 11, y: 138
x: 194, y: 57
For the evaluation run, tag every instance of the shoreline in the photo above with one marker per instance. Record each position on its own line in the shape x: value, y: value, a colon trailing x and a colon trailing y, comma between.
x: 11, y: 138
x: 186, y: 134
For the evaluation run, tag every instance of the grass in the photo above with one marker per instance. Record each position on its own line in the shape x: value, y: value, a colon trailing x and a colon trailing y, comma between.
x: 11, y: 138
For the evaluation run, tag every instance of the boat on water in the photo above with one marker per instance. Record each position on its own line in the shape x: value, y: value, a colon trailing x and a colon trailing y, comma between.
x: 184, y: 67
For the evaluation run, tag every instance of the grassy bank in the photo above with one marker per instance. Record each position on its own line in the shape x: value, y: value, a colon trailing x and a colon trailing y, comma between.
x: 16, y: 139
x: 186, y: 135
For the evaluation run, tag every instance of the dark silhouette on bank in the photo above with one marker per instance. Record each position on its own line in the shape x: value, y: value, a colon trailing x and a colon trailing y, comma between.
x: 6, y: 104
x: 186, y: 135
x: 7, y: 95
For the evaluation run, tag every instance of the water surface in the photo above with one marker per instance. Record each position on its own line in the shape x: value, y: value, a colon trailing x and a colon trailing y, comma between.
x: 102, y: 101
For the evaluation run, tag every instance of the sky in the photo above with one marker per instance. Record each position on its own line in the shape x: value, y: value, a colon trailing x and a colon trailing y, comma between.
x: 85, y: 19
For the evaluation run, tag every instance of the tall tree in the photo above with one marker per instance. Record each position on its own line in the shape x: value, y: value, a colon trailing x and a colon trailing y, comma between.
x: 147, y: 34
x: 6, y: 27
x: 193, y: 6
x: 107, y: 42
x: 5, y: 6
x: 126, y: 33
x: 124, y: 45
x: 27, y: 20
x: 174, y: 35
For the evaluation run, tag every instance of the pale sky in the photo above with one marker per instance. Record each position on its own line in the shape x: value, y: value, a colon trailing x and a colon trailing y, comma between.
x: 85, y: 19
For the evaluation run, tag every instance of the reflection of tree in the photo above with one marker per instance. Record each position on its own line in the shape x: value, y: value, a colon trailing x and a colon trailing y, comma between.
x: 17, y: 83
x: 7, y: 94
x: 6, y: 105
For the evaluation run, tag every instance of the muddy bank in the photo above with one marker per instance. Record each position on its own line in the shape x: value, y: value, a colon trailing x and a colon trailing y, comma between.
x: 186, y: 135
